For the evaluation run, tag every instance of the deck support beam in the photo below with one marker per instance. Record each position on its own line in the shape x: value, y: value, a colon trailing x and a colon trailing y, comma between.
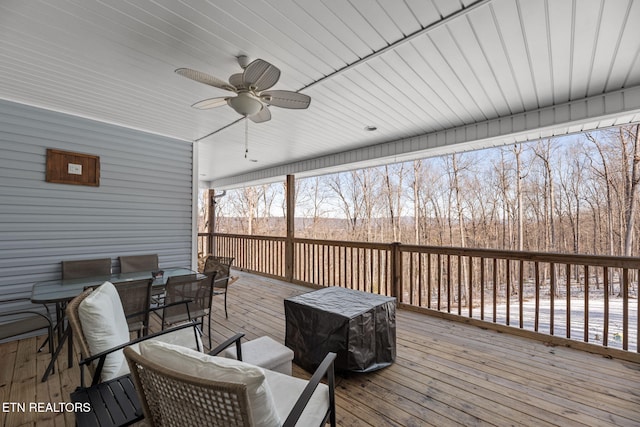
x: 291, y: 216
x: 211, y: 221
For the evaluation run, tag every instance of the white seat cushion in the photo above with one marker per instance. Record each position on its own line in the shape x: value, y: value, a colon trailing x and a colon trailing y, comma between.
x: 286, y: 391
x: 186, y: 361
x: 266, y: 353
x: 105, y: 326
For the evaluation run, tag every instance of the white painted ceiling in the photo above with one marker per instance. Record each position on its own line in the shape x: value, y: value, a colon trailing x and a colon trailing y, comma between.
x: 431, y: 75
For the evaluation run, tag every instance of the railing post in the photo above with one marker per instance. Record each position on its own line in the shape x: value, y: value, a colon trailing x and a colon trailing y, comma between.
x: 396, y: 271
x: 291, y: 214
x: 211, y: 221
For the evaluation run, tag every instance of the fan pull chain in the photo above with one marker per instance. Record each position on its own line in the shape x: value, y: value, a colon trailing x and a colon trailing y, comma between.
x: 246, y: 138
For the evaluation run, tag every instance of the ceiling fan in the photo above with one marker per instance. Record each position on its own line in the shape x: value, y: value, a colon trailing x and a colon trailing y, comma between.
x: 252, y: 97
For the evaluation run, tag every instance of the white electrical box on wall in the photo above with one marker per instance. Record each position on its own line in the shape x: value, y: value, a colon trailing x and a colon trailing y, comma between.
x: 74, y: 169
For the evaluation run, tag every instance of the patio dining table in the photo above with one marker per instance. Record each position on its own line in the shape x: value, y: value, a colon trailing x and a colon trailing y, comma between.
x: 61, y: 291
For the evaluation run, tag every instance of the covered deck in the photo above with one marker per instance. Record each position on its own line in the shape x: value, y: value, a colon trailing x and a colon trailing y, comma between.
x: 446, y: 373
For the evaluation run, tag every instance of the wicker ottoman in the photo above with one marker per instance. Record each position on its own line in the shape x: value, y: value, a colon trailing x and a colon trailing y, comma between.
x: 266, y: 353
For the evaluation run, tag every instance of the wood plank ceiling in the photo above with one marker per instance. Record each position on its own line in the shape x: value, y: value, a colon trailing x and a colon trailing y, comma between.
x: 432, y: 75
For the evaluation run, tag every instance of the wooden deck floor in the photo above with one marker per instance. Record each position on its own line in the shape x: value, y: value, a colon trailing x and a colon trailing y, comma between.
x: 446, y: 374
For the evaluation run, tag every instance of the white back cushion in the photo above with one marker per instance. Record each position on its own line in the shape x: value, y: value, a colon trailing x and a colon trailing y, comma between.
x: 201, y: 365
x: 105, y: 326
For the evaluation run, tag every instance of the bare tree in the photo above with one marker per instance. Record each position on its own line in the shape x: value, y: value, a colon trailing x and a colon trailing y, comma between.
x: 393, y: 177
x: 633, y: 182
x: 544, y: 151
x: 416, y: 183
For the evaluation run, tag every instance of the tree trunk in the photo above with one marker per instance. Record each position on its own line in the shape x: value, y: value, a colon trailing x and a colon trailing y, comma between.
x: 632, y: 194
x: 417, y: 166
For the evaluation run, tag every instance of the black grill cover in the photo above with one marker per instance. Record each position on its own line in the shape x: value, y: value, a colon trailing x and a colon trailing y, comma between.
x: 359, y: 326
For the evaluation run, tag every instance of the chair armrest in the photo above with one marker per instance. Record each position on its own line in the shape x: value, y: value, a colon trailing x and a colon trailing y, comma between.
x: 325, y: 368
x: 234, y: 339
x: 103, y: 355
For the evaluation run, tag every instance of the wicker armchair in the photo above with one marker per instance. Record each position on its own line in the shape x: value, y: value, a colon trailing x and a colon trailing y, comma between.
x: 222, y: 267
x: 208, y: 401
x: 198, y: 292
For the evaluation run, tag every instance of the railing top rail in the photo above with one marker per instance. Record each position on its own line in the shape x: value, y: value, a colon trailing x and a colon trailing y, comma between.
x: 343, y: 243
x: 550, y: 257
x: 246, y: 236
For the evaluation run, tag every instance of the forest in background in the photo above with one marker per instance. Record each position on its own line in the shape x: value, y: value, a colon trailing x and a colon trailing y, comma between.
x: 575, y: 194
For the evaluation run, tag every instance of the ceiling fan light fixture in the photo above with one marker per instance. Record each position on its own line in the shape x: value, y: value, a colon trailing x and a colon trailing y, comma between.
x: 245, y: 104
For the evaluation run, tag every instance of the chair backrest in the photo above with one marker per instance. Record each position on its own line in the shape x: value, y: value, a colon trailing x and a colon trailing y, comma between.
x: 135, y: 296
x: 221, y: 266
x: 160, y: 388
x: 86, y: 268
x: 199, y: 291
x: 135, y: 263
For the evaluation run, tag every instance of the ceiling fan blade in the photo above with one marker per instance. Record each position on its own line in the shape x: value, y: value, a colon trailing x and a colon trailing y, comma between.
x: 286, y: 99
x: 210, y: 103
x: 263, y: 115
x: 260, y: 75
x: 205, y: 78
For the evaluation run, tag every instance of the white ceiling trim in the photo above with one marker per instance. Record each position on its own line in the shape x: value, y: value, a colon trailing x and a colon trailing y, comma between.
x: 614, y: 108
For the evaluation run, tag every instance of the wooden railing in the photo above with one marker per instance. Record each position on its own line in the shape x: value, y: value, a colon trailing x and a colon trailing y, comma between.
x: 362, y: 266
x: 257, y: 254
x: 592, y: 299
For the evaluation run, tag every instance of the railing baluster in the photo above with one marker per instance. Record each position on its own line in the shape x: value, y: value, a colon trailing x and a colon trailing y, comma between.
x: 586, y: 303
x: 460, y: 264
x: 482, y: 277
x: 605, y: 330
x: 625, y: 309
x: 420, y: 283
x: 568, y: 299
x: 537, y: 284
x: 428, y: 280
x: 379, y: 273
x: 373, y: 254
x: 470, y: 294
x: 439, y: 282
x: 508, y: 292
x: 638, y: 311
x: 448, y: 283
x: 521, y: 294
x: 343, y: 259
x: 495, y: 289
x: 552, y: 298
x: 411, y: 278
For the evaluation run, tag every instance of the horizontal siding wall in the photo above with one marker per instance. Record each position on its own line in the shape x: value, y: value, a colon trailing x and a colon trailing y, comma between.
x: 143, y: 204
